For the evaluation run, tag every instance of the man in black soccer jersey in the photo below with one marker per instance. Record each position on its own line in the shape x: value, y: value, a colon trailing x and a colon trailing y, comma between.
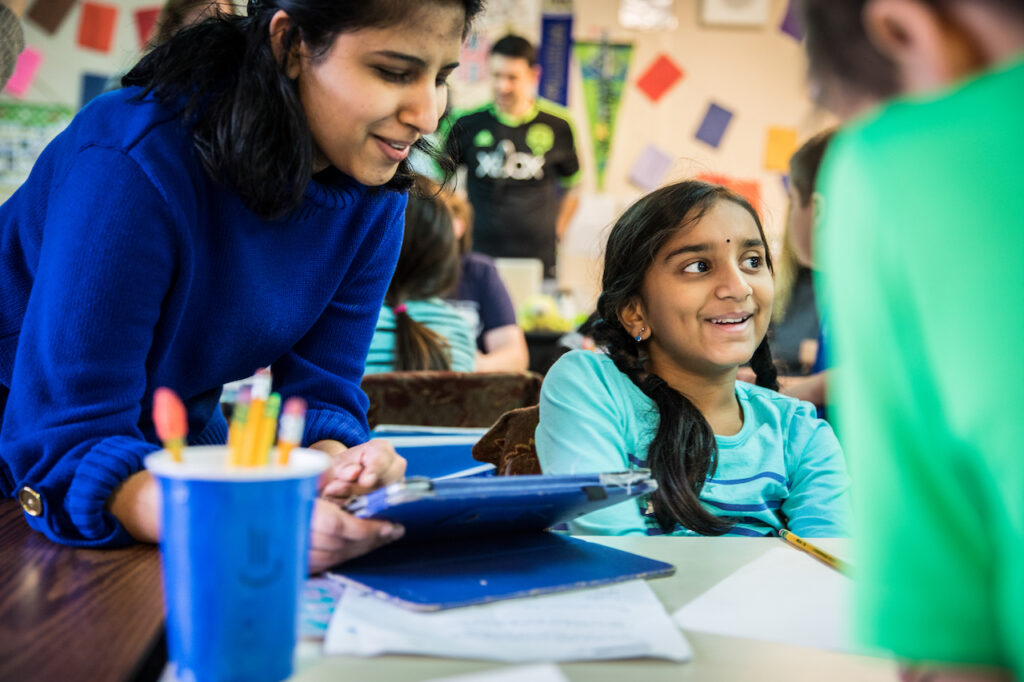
x: 520, y: 156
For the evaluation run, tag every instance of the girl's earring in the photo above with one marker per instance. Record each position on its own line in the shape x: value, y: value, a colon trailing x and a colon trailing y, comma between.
x: 640, y: 337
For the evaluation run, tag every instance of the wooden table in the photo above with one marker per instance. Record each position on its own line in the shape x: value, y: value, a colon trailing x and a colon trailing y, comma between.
x: 76, y: 614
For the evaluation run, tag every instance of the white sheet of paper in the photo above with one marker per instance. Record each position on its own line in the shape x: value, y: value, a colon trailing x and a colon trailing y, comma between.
x: 783, y: 596
x: 519, y: 673
x: 624, y: 620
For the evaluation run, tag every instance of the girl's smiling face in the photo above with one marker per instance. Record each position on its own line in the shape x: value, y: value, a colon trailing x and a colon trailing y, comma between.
x: 706, y: 299
x: 378, y: 90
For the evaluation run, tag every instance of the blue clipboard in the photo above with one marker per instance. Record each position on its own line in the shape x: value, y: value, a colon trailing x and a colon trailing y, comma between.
x: 477, y: 540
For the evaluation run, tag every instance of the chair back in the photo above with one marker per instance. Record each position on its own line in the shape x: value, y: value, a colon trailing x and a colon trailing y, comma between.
x: 509, y: 445
x: 444, y: 398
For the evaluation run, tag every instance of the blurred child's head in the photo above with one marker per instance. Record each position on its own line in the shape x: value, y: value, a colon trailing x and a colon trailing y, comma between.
x: 863, y: 51
x: 462, y: 220
x: 687, y: 271
x: 428, y: 267
x: 178, y: 14
x: 804, y: 201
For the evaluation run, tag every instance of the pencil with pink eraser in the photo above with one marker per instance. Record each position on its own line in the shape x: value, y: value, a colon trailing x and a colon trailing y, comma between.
x: 293, y: 423
x: 170, y: 420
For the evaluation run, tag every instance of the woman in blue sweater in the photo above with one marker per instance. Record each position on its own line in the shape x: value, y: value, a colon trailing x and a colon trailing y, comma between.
x: 687, y: 296
x: 238, y: 204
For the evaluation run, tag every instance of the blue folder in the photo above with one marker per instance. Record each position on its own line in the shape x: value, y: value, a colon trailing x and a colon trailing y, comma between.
x: 476, y: 540
x: 437, y: 454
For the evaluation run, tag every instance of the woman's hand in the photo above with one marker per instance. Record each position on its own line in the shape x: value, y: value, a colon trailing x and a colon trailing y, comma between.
x: 336, y: 535
x: 359, y: 469
x: 136, y: 504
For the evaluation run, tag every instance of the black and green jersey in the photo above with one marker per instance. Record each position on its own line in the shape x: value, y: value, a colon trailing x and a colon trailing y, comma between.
x: 514, y: 169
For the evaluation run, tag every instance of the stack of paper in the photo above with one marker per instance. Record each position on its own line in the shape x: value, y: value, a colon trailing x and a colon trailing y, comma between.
x: 624, y: 620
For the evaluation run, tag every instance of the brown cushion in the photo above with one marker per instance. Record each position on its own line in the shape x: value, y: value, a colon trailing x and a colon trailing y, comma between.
x: 509, y: 445
x: 436, y: 398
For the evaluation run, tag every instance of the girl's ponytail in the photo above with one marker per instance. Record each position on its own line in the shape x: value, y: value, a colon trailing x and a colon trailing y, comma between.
x: 418, y: 347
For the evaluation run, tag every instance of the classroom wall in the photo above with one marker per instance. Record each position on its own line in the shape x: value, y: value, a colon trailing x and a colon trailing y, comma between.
x: 758, y: 73
x: 755, y: 72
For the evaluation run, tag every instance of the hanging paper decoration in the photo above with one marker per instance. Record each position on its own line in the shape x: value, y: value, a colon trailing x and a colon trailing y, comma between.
x: 650, y: 168
x: 648, y: 15
x: 659, y: 77
x: 555, y: 40
x: 93, y: 85
x: 779, y: 146
x: 748, y: 189
x: 96, y: 26
x: 145, y: 22
x: 792, y: 25
x: 716, y: 120
x: 604, y: 66
x: 473, y: 60
x: 50, y: 14
x: 24, y: 72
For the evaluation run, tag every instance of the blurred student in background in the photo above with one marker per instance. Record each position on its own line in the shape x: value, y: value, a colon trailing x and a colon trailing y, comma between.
x: 519, y: 151
x: 480, y: 294
x: 921, y: 239
x: 238, y: 204
x: 417, y: 329
x: 686, y: 299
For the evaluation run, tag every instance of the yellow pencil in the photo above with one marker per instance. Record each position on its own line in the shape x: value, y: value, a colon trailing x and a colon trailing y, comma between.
x: 816, y: 552
x: 267, y: 429
x: 236, y: 432
x: 250, y: 438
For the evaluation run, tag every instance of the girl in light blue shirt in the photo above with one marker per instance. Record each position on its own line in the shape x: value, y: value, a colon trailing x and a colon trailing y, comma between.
x: 417, y: 329
x: 687, y: 297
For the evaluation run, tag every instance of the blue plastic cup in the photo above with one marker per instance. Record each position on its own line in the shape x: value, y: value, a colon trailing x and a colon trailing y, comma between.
x: 234, y: 550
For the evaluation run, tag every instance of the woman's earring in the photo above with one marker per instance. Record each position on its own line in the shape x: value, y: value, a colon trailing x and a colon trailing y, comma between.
x: 640, y: 337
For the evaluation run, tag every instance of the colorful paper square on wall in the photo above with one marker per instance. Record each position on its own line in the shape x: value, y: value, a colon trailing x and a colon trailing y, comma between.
x: 712, y: 128
x: 93, y: 85
x: 791, y: 23
x: 50, y: 14
x: 779, y: 146
x: 96, y: 26
x: 748, y: 189
x: 659, y: 77
x: 145, y: 22
x: 650, y: 168
x: 24, y: 72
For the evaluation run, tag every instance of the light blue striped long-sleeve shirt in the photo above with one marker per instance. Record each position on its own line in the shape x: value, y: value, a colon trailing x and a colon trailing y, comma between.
x: 784, y: 468
x: 440, y: 317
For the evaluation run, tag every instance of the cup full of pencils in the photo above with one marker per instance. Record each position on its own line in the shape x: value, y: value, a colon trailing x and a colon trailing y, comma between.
x: 234, y: 542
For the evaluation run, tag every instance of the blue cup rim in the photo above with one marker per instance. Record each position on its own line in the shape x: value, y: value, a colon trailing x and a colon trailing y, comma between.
x: 209, y: 463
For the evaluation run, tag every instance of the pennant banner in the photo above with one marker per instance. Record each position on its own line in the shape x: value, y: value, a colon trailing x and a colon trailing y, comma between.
x: 604, y: 66
x: 555, y: 39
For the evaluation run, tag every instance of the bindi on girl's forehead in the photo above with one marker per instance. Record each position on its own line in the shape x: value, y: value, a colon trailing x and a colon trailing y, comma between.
x: 728, y: 241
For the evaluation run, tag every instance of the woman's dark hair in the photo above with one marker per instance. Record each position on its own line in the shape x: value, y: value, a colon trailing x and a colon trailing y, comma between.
x: 248, y: 125
x: 683, y: 453
x: 428, y: 266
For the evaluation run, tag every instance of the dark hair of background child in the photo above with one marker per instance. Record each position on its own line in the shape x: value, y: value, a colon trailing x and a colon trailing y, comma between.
x: 427, y: 267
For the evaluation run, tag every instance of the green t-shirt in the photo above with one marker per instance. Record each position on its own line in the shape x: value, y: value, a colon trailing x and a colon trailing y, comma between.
x: 921, y: 246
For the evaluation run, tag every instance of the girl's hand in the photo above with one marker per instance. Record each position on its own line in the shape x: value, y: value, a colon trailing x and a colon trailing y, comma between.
x: 336, y: 535
x: 358, y: 470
